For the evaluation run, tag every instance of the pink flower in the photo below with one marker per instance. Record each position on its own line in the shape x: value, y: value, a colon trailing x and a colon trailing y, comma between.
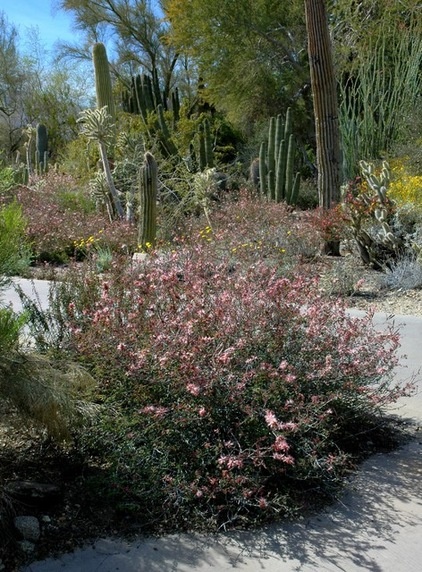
x: 271, y: 420
x: 280, y: 444
x: 193, y: 389
x: 263, y: 503
x: 288, y: 459
x: 155, y: 411
x: 202, y: 412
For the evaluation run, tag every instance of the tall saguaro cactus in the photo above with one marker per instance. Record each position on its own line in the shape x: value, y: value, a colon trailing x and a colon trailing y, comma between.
x: 147, y: 228
x: 41, y: 148
x: 103, y: 86
x: 324, y: 91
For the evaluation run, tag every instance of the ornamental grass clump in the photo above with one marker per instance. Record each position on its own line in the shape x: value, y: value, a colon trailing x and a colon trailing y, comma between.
x: 231, y: 394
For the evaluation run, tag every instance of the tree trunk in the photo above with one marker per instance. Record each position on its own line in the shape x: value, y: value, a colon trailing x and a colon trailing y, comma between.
x: 324, y: 92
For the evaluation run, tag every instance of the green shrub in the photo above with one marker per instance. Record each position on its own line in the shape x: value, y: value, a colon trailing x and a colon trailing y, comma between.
x: 15, y: 254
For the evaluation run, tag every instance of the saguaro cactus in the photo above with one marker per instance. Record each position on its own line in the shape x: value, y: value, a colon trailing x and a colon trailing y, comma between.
x: 206, y: 153
x: 103, y: 87
x: 41, y: 153
x: 147, y: 227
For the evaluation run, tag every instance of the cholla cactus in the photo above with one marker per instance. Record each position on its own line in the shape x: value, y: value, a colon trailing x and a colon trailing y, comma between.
x: 372, y: 215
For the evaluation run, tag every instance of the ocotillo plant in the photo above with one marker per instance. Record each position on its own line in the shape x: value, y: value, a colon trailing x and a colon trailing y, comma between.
x: 276, y: 162
x: 147, y: 226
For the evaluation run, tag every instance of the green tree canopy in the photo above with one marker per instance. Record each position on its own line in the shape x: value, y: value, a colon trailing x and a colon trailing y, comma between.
x: 250, y: 54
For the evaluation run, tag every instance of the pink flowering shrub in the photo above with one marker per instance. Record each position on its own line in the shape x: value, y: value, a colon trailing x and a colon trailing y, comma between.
x: 61, y: 217
x: 229, y: 390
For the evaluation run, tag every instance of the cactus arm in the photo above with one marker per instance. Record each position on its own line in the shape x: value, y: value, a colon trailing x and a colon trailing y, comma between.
x: 271, y: 158
x: 280, y: 194
x: 103, y: 87
x: 209, y: 153
x: 263, y: 169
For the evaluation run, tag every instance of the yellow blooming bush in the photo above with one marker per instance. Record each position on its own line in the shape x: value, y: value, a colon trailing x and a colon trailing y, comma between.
x: 405, y: 188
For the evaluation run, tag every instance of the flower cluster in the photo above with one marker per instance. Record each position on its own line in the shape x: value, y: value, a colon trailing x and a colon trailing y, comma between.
x: 405, y: 188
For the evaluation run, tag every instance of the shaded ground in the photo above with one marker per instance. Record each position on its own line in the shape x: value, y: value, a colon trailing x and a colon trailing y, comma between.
x: 79, y: 514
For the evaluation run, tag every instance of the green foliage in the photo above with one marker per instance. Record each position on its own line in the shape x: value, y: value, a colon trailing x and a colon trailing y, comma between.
x: 79, y: 158
x: 11, y: 326
x: 7, y: 179
x: 250, y: 55
x: 15, y: 253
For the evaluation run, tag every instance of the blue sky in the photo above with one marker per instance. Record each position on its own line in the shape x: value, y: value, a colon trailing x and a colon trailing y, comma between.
x: 52, y: 24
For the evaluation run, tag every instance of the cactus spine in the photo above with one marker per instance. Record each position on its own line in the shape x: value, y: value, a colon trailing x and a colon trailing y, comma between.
x: 147, y: 228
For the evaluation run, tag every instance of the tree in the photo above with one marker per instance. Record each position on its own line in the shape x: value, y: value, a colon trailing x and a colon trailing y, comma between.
x: 324, y: 90
x: 251, y: 55
x: 12, y: 80
x: 135, y: 29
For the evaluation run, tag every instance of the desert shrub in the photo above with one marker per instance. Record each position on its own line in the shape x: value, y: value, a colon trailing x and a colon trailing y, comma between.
x: 45, y: 394
x: 7, y: 179
x: 230, y: 391
x: 404, y: 274
x: 61, y: 223
x: 15, y: 255
x: 405, y: 187
x: 248, y: 230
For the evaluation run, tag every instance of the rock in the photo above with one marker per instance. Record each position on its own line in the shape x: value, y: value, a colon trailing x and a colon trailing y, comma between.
x: 33, y: 493
x: 27, y: 547
x: 28, y: 527
x: 45, y: 519
x: 139, y: 256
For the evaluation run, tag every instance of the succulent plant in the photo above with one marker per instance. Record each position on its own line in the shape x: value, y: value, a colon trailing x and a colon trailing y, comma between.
x: 148, y: 182
x: 276, y: 162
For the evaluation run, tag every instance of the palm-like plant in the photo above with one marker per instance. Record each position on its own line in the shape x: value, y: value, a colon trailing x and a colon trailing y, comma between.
x: 97, y: 126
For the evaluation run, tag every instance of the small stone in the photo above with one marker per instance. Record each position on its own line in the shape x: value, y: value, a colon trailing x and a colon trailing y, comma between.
x: 28, y: 527
x: 139, y: 256
x: 27, y: 547
x: 45, y: 519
